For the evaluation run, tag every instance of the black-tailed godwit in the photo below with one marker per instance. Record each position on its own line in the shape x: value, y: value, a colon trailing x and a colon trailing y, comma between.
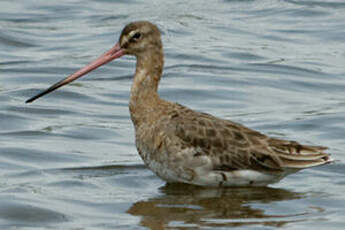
x: 182, y: 145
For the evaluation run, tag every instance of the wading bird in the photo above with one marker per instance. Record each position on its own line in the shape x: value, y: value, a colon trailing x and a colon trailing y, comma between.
x: 182, y: 145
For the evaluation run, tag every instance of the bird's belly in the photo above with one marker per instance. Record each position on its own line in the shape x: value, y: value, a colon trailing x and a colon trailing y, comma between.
x: 164, y: 171
x: 160, y: 168
x: 204, y: 176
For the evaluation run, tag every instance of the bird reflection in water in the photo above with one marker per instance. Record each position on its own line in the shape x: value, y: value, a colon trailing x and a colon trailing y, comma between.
x: 182, y: 205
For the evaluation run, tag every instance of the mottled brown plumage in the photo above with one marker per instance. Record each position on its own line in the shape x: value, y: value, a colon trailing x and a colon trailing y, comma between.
x: 176, y: 142
x: 182, y: 145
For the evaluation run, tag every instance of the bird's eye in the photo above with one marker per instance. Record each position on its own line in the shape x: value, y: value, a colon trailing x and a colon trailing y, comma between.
x: 136, y: 36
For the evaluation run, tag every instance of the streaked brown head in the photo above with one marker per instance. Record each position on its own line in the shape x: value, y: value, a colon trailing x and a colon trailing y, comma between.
x: 138, y: 37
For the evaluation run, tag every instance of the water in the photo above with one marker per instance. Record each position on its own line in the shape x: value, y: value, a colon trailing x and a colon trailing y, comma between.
x: 68, y: 161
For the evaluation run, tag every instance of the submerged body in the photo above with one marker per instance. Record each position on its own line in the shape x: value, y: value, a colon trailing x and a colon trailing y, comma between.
x: 182, y: 145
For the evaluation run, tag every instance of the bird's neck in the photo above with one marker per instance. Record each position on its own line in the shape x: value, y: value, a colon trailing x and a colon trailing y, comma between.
x: 144, y: 95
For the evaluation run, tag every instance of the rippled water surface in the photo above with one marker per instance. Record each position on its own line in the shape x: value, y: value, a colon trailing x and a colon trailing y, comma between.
x: 68, y: 161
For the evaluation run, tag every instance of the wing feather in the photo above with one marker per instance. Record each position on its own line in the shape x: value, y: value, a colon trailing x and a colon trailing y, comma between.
x: 233, y: 146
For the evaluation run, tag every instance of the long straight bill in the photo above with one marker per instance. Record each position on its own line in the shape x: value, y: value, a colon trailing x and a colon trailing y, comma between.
x: 110, y: 55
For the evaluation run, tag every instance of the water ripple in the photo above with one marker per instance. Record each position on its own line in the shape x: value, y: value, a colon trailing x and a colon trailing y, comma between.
x: 68, y: 161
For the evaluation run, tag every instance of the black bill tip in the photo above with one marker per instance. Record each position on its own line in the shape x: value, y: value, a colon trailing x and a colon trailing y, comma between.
x: 50, y: 89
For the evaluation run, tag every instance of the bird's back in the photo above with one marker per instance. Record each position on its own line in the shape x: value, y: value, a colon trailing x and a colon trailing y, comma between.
x: 201, y: 142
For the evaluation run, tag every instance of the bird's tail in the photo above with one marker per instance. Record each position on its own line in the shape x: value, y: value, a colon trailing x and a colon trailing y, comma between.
x: 296, y: 156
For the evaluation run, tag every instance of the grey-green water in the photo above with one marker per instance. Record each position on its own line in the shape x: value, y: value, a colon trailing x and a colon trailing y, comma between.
x: 68, y: 161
